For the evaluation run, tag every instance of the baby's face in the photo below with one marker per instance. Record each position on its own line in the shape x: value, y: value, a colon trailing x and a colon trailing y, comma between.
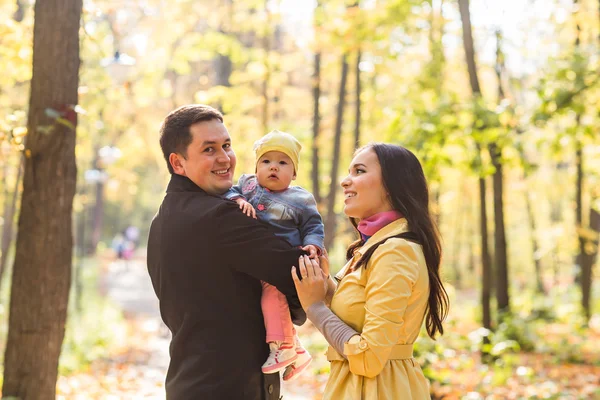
x: 275, y: 171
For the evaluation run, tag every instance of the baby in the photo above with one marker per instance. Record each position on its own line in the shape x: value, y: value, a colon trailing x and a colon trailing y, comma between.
x: 292, y: 212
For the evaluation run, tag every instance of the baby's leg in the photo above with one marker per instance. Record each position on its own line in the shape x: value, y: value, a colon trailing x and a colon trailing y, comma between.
x: 276, y: 313
x: 280, y: 330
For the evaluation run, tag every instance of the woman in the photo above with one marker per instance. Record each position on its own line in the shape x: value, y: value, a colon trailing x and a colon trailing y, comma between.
x: 390, y: 284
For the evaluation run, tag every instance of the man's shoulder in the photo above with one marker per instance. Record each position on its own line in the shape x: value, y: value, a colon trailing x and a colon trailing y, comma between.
x: 192, y: 206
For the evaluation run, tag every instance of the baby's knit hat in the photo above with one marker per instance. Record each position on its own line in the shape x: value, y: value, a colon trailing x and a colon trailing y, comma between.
x: 278, y: 141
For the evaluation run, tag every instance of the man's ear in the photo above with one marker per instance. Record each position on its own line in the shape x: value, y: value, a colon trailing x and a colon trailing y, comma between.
x: 176, y: 163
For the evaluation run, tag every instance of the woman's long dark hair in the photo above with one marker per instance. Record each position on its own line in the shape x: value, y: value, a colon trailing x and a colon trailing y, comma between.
x: 405, y: 183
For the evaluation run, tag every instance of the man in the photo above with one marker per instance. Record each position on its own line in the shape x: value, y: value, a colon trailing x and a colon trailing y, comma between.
x: 206, y: 260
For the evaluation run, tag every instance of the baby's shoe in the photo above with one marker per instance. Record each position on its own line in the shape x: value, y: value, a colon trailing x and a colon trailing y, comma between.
x: 302, y: 362
x: 282, y: 355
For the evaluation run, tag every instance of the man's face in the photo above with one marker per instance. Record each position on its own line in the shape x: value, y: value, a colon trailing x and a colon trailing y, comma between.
x: 275, y: 171
x: 210, y: 160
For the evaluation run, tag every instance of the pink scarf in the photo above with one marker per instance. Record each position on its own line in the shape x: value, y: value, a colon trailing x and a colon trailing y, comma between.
x: 369, y: 226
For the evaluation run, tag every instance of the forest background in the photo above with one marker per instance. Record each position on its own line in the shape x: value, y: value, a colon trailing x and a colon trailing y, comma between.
x: 499, y: 100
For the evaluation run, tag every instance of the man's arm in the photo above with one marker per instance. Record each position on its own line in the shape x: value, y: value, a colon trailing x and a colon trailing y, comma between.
x: 249, y: 246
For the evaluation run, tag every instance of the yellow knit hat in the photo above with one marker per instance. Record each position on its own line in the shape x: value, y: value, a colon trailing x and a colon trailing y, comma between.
x: 278, y: 141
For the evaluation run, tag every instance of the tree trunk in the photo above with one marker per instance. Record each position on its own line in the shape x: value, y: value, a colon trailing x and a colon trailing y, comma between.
x: 278, y: 37
x: 42, y: 268
x: 588, y: 260
x: 357, y: 105
x: 556, y: 219
x: 499, y: 67
x: 579, y: 172
x: 589, y: 251
x: 501, y: 262
x: 472, y: 238
x: 19, y: 15
x: 486, y: 262
x: 223, y: 68
x: 9, y: 216
x: 97, y: 210
x: 502, y: 298
x: 436, y: 48
x: 331, y: 221
x: 81, y: 251
x: 582, y: 258
x: 465, y: 17
x: 316, y: 126
x: 539, y: 282
x: 97, y: 216
x: 222, y: 64
x: 267, y: 76
x: 316, y: 83
x: 457, y: 250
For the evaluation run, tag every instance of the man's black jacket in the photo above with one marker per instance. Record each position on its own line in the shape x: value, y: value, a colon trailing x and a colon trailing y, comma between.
x: 206, y: 260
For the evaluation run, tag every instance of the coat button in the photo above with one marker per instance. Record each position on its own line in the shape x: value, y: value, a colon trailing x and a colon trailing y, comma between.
x: 362, y: 345
x: 270, y: 389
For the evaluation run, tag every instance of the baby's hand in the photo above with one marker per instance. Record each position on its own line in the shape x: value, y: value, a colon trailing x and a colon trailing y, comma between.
x: 246, y: 207
x: 312, y: 250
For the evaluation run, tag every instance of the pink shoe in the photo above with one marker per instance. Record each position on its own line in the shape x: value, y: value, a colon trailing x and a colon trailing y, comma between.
x: 302, y: 362
x: 282, y: 355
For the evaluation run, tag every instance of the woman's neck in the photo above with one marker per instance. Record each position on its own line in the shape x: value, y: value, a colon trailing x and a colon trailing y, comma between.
x: 369, y: 226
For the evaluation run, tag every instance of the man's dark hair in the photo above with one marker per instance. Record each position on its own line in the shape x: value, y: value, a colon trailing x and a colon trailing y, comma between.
x: 175, y: 135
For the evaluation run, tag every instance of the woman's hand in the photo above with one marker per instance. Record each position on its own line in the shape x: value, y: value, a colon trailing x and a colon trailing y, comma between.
x: 313, y: 286
x: 329, y: 282
x: 324, y: 263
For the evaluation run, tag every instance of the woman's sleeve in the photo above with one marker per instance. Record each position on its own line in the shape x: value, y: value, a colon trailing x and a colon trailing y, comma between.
x: 336, y: 332
x: 392, y: 272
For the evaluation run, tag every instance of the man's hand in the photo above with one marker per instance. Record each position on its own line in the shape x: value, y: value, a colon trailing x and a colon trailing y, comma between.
x: 312, y: 250
x: 246, y: 207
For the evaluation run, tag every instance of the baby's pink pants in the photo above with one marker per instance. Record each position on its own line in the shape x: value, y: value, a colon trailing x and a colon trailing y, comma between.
x: 276, y: 314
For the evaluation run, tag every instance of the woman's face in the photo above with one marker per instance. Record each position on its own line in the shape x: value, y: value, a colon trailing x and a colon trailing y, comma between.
x: 364, y: 193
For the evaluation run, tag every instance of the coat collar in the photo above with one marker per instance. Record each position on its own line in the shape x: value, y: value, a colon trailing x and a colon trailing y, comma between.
x: 393, y: 228
x: 180, y: 183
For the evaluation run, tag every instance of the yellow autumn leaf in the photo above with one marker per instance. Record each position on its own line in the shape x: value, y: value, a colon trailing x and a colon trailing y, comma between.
x: 20, y: 131
x: 588, y: 234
